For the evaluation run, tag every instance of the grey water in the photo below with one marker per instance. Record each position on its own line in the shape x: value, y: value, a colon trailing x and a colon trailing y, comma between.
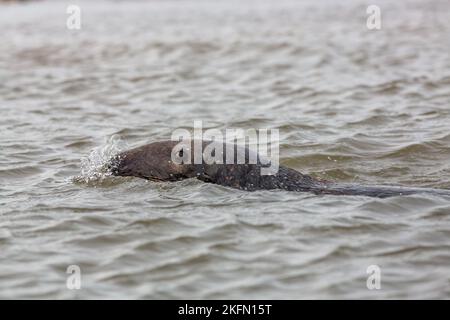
x: 352, y: 105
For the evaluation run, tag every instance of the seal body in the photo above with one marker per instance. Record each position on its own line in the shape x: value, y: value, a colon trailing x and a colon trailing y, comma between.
x: 156, y: 162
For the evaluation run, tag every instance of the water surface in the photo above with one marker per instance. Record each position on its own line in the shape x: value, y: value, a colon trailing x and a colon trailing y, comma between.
x: 351, y: 104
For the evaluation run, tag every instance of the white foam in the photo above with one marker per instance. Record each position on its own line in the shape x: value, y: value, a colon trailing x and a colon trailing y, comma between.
x: 93, y: 166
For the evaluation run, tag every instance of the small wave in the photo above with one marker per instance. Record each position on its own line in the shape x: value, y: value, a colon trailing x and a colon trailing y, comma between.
x: 93, y: 170
x: 20, y: 172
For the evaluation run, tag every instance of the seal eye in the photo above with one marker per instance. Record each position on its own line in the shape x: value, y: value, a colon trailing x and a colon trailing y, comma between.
x: 180, y: 153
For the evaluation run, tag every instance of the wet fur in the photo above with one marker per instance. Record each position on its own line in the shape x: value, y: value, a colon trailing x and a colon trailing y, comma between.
x: 153, y: 162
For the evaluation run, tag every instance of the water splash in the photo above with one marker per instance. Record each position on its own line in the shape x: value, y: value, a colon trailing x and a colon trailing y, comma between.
x: 93, y: 170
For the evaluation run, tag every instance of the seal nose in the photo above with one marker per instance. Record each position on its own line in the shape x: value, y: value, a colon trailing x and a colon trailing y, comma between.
x: 113, y: 166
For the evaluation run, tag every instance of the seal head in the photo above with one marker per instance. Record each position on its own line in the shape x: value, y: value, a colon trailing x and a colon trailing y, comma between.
x: 152, y: 162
